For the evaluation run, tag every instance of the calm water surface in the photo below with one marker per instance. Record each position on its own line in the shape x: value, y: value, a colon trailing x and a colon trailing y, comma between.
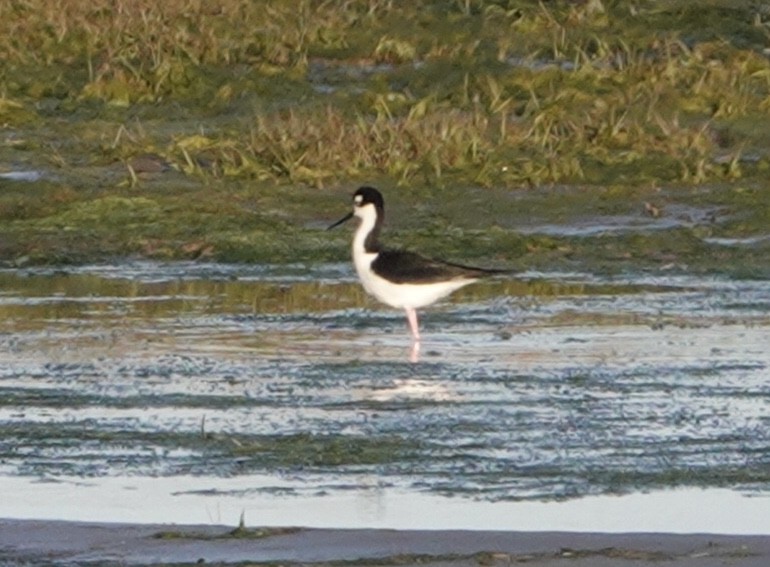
x: 191, y: 392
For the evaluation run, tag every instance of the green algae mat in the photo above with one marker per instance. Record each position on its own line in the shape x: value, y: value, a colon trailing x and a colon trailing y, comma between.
x: 233, y: 131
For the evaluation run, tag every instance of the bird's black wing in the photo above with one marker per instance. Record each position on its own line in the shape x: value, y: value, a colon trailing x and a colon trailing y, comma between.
x: 400, y: 266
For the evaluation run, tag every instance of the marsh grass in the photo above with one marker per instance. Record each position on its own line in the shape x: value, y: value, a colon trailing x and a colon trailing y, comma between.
x: 490, y: 93
x: 511, y: 93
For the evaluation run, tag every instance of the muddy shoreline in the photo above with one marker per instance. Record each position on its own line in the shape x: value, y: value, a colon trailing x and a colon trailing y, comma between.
x: 33, y: 542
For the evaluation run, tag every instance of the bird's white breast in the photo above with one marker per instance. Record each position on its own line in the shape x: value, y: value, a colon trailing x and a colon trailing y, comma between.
x: 402, y: 295
x: 396, y: 295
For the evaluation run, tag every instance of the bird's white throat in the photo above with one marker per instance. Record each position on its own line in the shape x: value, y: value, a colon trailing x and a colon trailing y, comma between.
x: 361, y: 258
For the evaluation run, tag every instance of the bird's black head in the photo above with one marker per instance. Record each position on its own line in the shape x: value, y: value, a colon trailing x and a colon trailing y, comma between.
x: 363, y: 197
x: 368, y: 196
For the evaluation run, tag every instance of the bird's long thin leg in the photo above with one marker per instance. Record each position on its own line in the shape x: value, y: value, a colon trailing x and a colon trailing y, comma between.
x: 411, y: 316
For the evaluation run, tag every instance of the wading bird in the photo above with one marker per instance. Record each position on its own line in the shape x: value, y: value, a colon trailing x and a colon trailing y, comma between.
x: 397, y: 277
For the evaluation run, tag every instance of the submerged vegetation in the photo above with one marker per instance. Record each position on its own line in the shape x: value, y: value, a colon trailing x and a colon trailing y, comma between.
x: 161, y: 119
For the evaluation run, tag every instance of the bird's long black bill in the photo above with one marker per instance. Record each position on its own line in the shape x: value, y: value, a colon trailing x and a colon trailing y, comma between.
x: 346, y: 218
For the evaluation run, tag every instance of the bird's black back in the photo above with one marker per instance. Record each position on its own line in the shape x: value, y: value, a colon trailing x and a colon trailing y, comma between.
x: 400, y: 266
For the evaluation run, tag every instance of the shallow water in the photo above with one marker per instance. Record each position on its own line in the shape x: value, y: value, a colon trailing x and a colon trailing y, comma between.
x: 284, y: 388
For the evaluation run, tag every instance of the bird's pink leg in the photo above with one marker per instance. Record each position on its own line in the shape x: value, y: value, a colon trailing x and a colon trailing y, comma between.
x: 411, y: 316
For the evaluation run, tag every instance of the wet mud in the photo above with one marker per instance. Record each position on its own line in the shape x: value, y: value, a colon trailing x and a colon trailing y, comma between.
x: 50, y: 543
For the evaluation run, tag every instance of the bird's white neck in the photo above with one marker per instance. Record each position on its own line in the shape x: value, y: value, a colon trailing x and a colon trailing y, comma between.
x: 364, y: 238
x: 367, y: 233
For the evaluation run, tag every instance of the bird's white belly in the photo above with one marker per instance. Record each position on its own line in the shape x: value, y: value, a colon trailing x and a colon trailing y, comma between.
x: 402, y: 295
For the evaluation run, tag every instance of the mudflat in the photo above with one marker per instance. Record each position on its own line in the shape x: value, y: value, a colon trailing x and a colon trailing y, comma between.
x: 33, y: 542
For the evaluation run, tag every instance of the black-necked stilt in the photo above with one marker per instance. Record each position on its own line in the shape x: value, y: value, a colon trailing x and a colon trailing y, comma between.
x: 397, y: 277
